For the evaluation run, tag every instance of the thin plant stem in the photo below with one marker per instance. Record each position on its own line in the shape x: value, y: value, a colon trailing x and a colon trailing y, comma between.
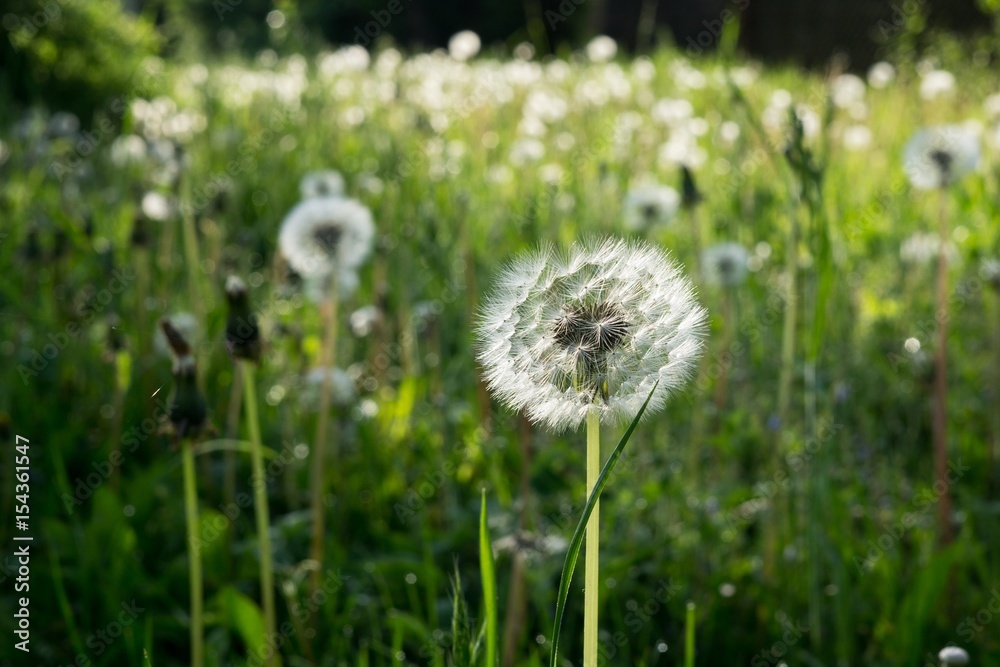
x: 229, y: 470
x: 590, y: 591
x: 689, y: 636
x: 940, y: 411
x: 194, y: 555
x: 260, y: 499
x: 327, y: 354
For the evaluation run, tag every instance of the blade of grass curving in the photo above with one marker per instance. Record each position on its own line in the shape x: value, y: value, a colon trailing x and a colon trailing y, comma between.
x: 488, y: 573
x: 573, y: 551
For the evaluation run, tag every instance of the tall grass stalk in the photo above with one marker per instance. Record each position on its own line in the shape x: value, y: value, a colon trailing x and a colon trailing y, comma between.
x: 327, y: 357
x: 592, y: 577
x: 260, y: 499
x: 194, y: 555
x: 940, y: 409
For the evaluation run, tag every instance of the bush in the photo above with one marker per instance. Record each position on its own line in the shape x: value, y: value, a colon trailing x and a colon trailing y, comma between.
x: 75, y: 55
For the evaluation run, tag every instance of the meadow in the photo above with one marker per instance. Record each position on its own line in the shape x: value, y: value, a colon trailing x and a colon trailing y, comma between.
x: 789, y: 490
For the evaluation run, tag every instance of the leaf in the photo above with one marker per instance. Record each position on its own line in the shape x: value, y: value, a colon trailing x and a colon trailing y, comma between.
x: 488, y: 573
x: 573, y: 552
x: 242, y: 615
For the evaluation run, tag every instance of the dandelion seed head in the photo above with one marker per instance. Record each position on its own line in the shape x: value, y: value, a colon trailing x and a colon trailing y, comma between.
x: 596, y: 327
x: 725, y: 264
x: 881, y: 74
x: 938, y: 156
x: 601, y: 49
x: 953, y: 655
x: 650, y: 205
x: 324, y: 236
x: 464, y: 45
x: 326, y: 183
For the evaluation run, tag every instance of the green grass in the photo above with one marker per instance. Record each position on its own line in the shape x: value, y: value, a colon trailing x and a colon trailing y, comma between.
x: 764, y: 525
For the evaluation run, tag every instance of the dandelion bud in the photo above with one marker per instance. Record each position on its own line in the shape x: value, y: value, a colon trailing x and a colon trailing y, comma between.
x: 140, y: 232
x: 242, y: 332
x: 188, y: 412
x: 690, y: 195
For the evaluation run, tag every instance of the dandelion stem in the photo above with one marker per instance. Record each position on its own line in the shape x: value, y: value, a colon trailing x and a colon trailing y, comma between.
x: 689, y: 636
x: 194, y: 555
x: 327, y: 354
x: 590, y: 597
x: 260, y: 499
x: 940, y: 412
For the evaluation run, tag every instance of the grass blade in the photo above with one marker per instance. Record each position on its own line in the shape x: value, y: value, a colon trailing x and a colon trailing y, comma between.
x: 488, y: 573
x: 573, y: 551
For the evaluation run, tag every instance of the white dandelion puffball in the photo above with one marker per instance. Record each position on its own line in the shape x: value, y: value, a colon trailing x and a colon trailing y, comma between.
x: 881, y: 74
x: 936, y: 83
x: 326, y: 235
x: 989, y: 271
x: 326, y: 183
x: 953, y: 655
x: 464, y: 45
x: 725, y: 264
x: 595, y: 328
x: 938, y: 156
x: 924, y: 248
x: 342, y: 389
x: 601, y: 49
x: 648, y: 206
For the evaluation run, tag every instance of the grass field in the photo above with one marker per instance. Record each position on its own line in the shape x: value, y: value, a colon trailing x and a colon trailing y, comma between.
x: 790, y: 491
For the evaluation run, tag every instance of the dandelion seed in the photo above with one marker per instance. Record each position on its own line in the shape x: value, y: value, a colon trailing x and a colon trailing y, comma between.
x: 596, y: 328
x: 936, y: 157
x: 725, y: 264
x: 326, y: 183
x: 324, y: 236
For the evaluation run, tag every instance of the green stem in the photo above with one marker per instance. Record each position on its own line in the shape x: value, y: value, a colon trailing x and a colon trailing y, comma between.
x: 940, y: 410
x: 590, y: 591
x: 260, y: 500
x: 689, y: 636
x: 194, y: 555
x: 327, y: 357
